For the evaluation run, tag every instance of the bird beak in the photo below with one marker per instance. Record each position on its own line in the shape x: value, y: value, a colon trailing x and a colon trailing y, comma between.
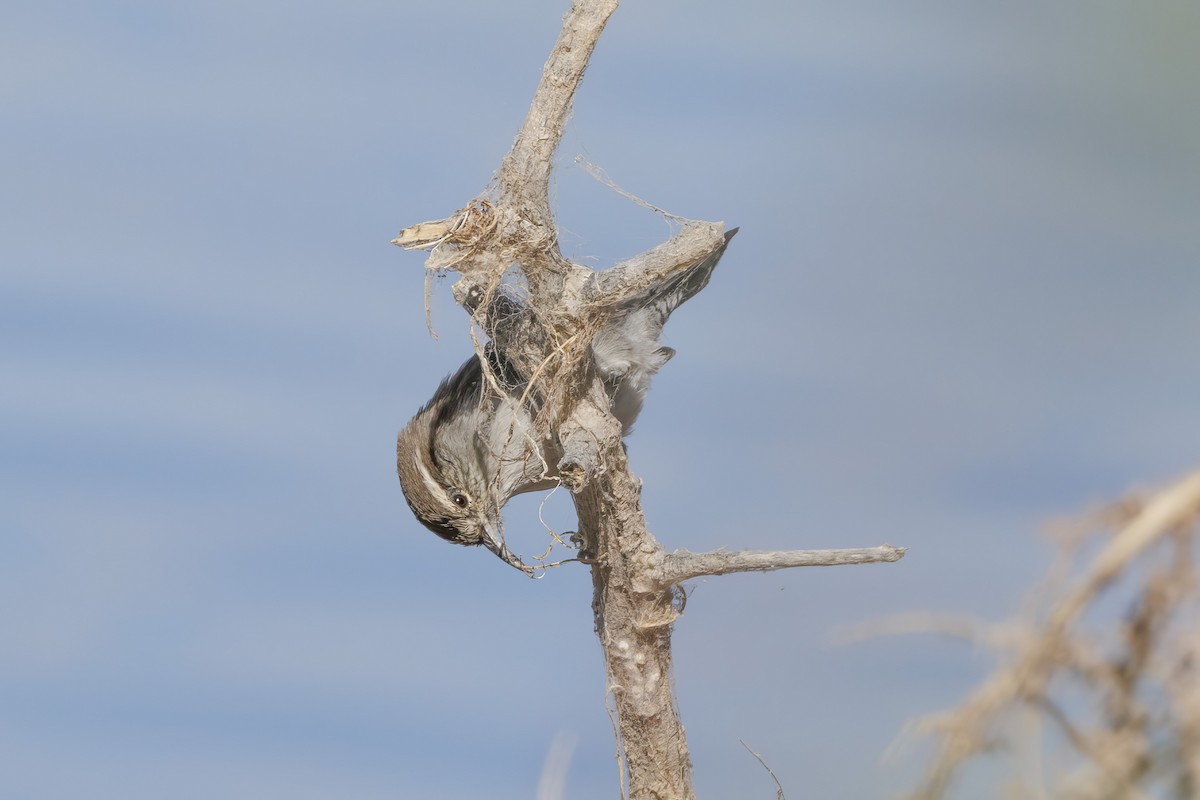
x: 494, y: 542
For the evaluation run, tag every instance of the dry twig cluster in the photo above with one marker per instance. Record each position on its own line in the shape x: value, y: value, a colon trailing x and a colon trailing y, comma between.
x: 1121, y: 701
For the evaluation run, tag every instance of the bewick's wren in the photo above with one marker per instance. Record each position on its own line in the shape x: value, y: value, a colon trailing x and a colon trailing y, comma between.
x: 470, y: 449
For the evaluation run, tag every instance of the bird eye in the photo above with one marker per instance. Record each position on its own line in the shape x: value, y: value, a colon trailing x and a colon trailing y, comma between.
x: 459, y: 499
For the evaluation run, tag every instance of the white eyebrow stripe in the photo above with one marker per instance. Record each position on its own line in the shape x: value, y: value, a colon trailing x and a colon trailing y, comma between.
x: 433, y: 486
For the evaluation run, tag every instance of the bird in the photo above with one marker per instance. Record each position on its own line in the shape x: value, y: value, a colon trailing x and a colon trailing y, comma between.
x: 470, y: 449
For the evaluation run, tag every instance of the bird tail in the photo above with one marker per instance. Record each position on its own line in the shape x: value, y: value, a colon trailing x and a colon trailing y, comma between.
x: 674, y: 292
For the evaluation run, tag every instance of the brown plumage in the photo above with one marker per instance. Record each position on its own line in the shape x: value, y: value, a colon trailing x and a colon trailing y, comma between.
x: 469, y: 450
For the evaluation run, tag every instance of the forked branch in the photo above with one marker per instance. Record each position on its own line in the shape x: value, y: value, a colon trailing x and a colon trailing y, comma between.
x: 567, y: 303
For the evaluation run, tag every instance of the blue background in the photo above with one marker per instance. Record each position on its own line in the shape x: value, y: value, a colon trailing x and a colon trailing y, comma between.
x: 965, y: 300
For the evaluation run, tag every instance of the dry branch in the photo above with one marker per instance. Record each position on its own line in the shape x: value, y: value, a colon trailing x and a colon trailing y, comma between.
x: 1140, y: 675
x: 524, y: 175
x: 612, y: 287
x: 550, y: 338
x: 683, y: 565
